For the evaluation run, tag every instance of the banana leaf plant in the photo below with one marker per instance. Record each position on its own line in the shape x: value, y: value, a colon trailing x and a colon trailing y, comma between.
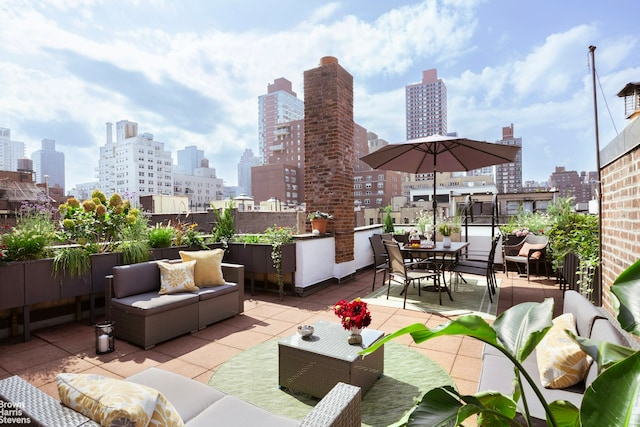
x: 610, y: 400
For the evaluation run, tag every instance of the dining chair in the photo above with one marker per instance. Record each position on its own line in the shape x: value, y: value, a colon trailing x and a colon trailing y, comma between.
x: 480, y: 267
x: 407, y: 273
x: 380, y: 259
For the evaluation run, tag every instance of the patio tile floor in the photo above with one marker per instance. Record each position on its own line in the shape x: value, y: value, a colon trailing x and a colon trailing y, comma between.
x: 70, y: 347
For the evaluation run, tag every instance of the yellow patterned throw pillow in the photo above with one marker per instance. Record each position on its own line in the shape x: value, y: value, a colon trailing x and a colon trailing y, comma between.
x: 561, y: 362
x: 116, y: 403
x: 208, y: 269
x: 176, y: 277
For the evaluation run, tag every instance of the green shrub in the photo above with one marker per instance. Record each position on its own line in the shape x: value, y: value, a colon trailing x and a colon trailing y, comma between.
x: 387, y: 226
x: 34, y: 232
x: 225, y: 227
x: 161, y: 237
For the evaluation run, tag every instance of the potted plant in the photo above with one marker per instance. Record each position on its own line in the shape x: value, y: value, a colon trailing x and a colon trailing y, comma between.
x: 387, y: 226
x: 319, y: 221
x: 187, y: 235
x: 278, y: 236
x: 225, y: 227
x: 161, y: 236
x: 447, y: 227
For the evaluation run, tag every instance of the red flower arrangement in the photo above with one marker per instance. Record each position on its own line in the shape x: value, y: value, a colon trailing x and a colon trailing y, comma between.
x: 353, y: 314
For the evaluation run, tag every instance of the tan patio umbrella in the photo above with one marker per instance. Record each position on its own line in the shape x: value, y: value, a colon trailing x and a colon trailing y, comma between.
x: 439, y: 153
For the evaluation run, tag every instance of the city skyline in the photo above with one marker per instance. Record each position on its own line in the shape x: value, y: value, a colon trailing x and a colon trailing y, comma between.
x: 191, y: 74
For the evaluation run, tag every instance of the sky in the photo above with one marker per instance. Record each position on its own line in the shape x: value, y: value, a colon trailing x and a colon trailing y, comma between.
x: 190, y: 72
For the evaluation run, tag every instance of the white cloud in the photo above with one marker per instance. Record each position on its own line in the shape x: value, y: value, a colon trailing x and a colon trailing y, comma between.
x: 55, y: 67
x: 550, y: 69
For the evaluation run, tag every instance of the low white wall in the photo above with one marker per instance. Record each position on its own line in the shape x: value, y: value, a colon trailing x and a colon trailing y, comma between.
x: 315, y: 257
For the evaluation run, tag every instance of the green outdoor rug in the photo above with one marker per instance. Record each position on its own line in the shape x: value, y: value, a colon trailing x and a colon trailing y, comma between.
x: 408, y: 375
x: 468, y: 298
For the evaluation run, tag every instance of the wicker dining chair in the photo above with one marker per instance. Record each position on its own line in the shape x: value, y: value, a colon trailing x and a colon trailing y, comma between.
x: 380, y: 259
x: 408, y: 272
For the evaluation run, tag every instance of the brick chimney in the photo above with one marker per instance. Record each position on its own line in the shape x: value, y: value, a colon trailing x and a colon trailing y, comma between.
x: 329, y: 152
x: 631, y: 95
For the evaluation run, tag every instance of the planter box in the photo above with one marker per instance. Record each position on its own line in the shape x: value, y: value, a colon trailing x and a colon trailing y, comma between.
x: 12, y: 285
x: 75, y: 286
x: 101, y: 266
x: 39, y: 283
x: 256, y: 258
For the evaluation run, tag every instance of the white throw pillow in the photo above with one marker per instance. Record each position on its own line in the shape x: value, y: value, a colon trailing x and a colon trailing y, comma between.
x: 178, y: 277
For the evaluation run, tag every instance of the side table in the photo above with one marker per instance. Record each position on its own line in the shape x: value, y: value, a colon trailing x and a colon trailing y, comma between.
x: 313, y: 365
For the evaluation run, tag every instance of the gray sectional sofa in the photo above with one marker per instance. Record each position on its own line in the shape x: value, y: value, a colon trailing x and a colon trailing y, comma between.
x: 145, y: 318
x: 197, y: 404
x: 591, y: 322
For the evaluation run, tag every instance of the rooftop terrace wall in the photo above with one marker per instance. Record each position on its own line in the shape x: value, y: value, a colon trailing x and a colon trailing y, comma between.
x: 620, y: 175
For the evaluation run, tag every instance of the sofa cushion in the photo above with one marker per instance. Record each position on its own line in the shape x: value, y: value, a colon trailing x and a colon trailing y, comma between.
x: 214, y: 292
x: 188, y: 396
x: 135, y: 279
x: 151, y: 303
x: 497, y: 374
x: 584, y: 312
x: 233, y: 412
x: 208, y: 270
x: 561, y: 362
x: 603, y: 330
x: 176, y: 278
x: 113, y: 402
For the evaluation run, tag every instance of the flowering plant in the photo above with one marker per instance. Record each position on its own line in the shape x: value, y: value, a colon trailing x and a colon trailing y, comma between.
x: 425, y: 221
x: 320, y: 215
x: 521, y: 232
x: 353, y: 314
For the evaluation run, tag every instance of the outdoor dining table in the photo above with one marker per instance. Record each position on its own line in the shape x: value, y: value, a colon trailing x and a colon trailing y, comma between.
x: 439, y: 254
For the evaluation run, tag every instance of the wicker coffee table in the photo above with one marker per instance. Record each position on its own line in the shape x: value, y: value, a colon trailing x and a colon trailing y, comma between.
x: 313, y: 365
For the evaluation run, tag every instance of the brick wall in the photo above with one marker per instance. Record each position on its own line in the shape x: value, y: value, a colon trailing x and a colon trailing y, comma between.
x: 329, y: 154
x: 620, y: 175
x: 620, y: 219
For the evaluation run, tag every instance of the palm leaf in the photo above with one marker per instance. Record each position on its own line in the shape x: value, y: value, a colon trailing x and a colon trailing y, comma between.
x: 625, y: 298
x: 613, y: 399
x: 521, y: 328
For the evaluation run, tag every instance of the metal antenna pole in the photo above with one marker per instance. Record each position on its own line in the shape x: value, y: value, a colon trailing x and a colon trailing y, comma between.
x: 592, y: 50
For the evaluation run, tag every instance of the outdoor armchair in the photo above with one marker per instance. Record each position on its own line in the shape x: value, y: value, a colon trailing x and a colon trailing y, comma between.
x: 531, y: 251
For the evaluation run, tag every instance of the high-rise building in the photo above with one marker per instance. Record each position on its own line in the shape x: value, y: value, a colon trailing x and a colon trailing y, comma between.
x: 374, y: 142
x: 509, y: 175
x: 189, y: 159
x: 201, y: 187
x: 426, y: 114
x: 371, y: 188
x: 247, y: 161
x: 134, y: 165
x: 581, y: 187
x: 280, y: 105
x: 426, y: 106
x: 48, y: 164
x: 10, y: 151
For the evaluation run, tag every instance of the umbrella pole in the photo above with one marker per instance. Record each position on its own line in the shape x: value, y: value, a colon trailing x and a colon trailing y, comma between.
x: 434, y: 203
